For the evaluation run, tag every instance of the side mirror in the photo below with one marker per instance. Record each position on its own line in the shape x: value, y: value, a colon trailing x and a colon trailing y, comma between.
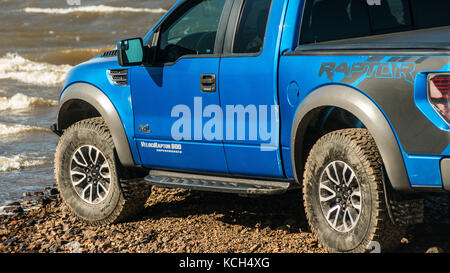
x: 131, y: 52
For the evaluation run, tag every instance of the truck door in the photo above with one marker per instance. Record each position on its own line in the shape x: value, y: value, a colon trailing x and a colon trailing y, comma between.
x: 168, y: 99
x: 248, y: 88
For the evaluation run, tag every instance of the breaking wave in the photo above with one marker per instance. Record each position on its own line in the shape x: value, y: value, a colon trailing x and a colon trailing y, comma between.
x: 16, y: 129
x: 19, y: 162
x: 92, y: 9
x: 21, y: 101
x: 14, y: 66
x: 71, y: 56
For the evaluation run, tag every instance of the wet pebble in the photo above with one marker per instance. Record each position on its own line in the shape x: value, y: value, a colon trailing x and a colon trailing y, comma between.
x: 435, y: 250
x: 13, y: 209
x: 51, y: 191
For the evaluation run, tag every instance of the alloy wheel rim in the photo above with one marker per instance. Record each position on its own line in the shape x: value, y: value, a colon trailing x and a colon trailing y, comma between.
x: 90, y: 174
x: 340, y: 196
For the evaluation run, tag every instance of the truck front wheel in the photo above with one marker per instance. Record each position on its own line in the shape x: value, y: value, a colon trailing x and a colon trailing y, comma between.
x: 91, y: 179
x: 343, y: 194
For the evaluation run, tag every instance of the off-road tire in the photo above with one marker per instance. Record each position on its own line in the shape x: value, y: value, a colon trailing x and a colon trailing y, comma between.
x: 126, y: 197
x: 357, y: 148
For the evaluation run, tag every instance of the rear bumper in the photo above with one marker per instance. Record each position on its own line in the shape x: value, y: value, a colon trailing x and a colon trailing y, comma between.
x: 445, y: 172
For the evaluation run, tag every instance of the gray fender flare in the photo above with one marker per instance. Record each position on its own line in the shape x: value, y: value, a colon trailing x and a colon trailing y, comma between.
x: 369, y: 114
x: 97, y: 99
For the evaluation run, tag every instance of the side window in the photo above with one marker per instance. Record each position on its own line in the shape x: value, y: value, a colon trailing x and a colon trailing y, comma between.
x: 328, y: 20
x: 252, y: 26
x: 430, y: 13
x: 191, y: 29
x: 390, y: 15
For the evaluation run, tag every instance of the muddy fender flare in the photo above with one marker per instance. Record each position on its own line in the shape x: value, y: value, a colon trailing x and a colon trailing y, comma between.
x: 369, y: 114
x: 97, y: 99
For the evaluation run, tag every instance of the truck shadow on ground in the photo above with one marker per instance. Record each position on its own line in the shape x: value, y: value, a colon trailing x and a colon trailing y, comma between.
x: 275, y: 212
x: 433, y: 235
x: 429, y: 237
x: 286, y: 212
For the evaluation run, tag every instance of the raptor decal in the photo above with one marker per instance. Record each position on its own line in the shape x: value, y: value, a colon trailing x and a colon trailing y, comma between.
x: 393, y: 68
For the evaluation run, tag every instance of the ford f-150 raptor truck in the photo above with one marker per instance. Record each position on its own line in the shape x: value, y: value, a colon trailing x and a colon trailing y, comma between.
x: 348, y: 100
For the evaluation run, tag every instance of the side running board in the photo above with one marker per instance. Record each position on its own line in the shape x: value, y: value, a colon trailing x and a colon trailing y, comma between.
x: 167, y: 179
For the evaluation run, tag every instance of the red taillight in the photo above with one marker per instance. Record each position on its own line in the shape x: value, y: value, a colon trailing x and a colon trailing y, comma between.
x: 439, y: 93
x: 440, y: 87
x: 444, y: 108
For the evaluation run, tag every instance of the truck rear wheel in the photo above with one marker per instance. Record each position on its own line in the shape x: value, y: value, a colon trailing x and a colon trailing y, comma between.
x: 344, y: 194
x: 91, y: 180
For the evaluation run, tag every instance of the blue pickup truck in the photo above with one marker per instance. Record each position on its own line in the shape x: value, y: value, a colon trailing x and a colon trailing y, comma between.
x: 348, y: 100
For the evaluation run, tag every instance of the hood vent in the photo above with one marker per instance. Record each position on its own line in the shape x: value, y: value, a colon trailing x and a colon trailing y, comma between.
x: 119, y: 76
x: 111, y: 53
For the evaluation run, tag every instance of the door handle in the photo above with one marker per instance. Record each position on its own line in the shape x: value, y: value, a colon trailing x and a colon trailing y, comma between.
x: 208, y: 82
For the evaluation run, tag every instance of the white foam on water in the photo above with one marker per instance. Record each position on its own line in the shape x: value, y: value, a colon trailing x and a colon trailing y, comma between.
x: 14, y: 66
x: 19, y: 162
x: 2, y: 209
x: 3, y: 212
x: 20, y: 101
x: 16, y: 129
x: 92, y: 9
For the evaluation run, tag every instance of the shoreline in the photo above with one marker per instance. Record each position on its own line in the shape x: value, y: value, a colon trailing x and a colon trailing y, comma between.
x: 182, y: 221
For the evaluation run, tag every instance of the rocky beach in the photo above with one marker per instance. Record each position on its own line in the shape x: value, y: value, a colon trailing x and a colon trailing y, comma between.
x: 181, y: 221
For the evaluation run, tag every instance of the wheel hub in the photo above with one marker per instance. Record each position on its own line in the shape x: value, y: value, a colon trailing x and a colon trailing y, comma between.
x: 90, y: 174
x: 340, y: 196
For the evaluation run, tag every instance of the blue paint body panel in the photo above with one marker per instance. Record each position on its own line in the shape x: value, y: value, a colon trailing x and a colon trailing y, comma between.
x: 424, y: 170
x: 270, y: 79
x: 238, y: 86
x: 94, y: 72
x: 156, y: 92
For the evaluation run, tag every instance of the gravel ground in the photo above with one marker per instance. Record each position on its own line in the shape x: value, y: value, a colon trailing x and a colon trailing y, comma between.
x: 182, y: 221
